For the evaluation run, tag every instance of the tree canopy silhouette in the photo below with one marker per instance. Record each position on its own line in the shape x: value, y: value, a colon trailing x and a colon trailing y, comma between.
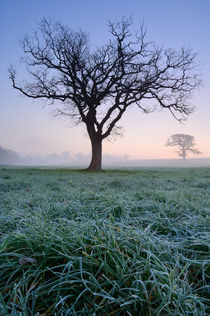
x: 183, y: 143
x: 95, y: 86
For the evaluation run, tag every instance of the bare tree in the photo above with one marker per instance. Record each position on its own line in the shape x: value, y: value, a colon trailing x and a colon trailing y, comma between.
x: 183, y: 143
x: 97, y: 86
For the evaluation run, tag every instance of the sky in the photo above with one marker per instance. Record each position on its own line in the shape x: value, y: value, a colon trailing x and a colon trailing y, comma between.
x: 28, y: 127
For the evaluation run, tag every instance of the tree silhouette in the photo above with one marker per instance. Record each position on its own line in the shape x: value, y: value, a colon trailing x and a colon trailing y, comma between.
x: 183, y: 143
x: 97, y: 86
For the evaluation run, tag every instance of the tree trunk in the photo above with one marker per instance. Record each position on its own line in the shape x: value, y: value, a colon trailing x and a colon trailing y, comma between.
x: 183, y: 154
x: 96, y: 145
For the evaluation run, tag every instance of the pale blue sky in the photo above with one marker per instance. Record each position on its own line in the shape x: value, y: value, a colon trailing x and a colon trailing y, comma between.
x: 29, y: 129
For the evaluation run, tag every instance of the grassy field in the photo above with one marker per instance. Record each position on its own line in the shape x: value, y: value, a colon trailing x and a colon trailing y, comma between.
x: 115, y: 243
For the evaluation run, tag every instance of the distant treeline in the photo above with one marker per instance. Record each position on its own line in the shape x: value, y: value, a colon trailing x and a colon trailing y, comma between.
x: 10, y: 157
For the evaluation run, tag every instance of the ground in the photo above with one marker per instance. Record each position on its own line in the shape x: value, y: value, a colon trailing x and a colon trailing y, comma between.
x: 119, y: 242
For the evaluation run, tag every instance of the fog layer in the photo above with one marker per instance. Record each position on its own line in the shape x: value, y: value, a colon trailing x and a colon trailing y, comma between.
x: 10, y: 157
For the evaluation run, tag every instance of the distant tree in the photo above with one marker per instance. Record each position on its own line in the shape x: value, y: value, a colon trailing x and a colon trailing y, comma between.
x: 183, y: 143
x: 97, y: 86
x: 8, y: 156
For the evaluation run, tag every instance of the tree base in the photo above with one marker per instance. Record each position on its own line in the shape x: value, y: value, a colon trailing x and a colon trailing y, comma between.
x: 92, y: 169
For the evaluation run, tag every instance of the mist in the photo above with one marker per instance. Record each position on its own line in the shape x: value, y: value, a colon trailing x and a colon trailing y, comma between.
x: 12, y: 158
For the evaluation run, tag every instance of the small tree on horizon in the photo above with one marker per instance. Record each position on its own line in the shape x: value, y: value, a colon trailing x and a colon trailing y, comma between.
x: 184, y: 144
x: 97, y: 86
